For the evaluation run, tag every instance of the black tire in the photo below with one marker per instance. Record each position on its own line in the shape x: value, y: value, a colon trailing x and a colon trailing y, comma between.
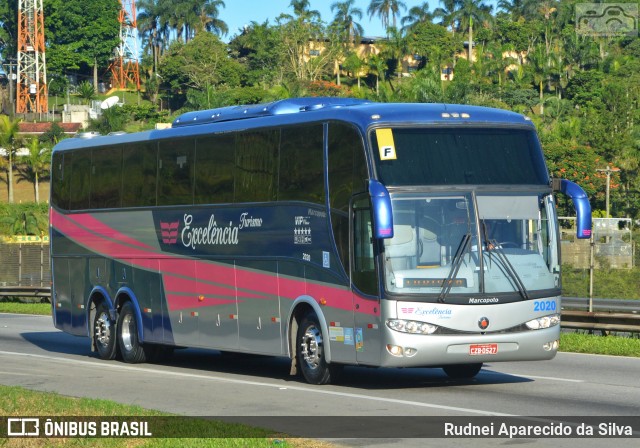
x: 310, y: 353
x: 104, y: 333
x: 131, y: 349
x: 462, y: 371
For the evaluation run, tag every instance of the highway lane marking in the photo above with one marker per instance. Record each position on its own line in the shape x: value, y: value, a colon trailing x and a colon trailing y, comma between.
x: 261, y: 384
x: 550, y: 378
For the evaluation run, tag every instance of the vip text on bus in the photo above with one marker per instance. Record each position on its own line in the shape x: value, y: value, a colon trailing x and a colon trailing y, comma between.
x: 330, y: 231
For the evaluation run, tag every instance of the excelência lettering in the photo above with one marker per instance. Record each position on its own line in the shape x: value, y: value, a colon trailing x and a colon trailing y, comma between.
x: 209, y: 235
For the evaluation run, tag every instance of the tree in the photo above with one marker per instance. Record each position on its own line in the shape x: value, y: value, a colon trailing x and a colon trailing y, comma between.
x: 302, y: 11
x: 8, y: 27
x: 415, y: 16
x: 78, y: 36
x: 539, y: 69
x: 378, y: 67
x: 467, y: 12
x: 150, y: 28
x: 309, y: 50
x: 9, y: 142
x: 345, y: 20
x: 198, y: 64
x: 447, y: 14
x: 37, y: 164
x: 208, y: 12
x: 353, y: 64
x: 86, y: 91
x: 386, y: 9
x: 260, y: 50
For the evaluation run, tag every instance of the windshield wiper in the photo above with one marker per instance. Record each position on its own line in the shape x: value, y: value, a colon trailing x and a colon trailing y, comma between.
x: 463, y: 247
x: 492, y: 246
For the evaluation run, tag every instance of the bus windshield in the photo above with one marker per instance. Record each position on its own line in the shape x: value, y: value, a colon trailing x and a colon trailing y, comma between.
x: 458, y: 156
x: 446, y: 245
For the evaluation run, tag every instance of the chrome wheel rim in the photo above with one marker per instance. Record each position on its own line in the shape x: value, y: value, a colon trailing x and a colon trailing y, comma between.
x: 102, y: 330
x: 126, y: 334
x: 311, y: 347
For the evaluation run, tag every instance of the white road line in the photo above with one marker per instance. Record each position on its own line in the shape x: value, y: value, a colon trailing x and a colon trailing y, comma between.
x: 322, y: 391
x: 550, y: 378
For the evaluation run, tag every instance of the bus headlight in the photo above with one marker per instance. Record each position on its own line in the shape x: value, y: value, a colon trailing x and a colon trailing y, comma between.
x: 411, y: 326
x: 544, y: 322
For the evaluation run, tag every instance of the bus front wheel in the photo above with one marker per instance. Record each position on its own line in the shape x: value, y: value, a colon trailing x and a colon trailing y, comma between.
x: 310, y: 351
x: 104, y: 333
x: 130, y: 347
x: 462, y: 371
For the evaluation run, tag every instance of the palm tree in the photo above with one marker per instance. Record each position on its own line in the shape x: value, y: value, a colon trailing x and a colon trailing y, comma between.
x: 345, y: 20
x: 386, y: 9
x: 352, y: 63
x: 519, y: 8
x: 377, y: 66
x: 302, y: 11
x: 416, y: 15
x: 37, y: 164
x: 208, y: 11
x: 447, y: 14
x: 539, y: 69
x: 149, y: 28
x: 467, y: 12
x: 9, y: 140
x: 395, y: 48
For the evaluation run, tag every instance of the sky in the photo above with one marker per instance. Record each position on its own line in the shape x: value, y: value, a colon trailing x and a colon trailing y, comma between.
x: 237, y: 13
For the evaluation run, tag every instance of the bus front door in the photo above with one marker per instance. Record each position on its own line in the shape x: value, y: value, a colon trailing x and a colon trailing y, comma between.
x: 365, y: 284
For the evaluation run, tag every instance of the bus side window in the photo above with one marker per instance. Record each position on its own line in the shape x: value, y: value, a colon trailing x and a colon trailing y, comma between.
x: 256, y: 170
x: 80, y: 180
x: 61, y: 168
x: 363, y: 273
x: 139, y: 175
x: 301, y: 164
x: 175, y: 168
x: 106, y: 183
x: 215, y: 163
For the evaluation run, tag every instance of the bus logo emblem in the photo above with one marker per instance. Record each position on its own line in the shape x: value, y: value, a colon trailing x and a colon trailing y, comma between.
x: 169, y: 231
x: 483, y: 323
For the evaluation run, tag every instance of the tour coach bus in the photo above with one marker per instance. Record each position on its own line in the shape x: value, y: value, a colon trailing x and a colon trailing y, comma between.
x: 328, y: 230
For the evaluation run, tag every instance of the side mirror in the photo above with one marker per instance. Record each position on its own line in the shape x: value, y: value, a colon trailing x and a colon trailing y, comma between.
x: 381, y: 208
x: 580, y: 203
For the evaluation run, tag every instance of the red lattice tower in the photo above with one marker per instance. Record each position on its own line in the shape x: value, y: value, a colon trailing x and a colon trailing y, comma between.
x: 31, y: 92
x: 124, y: 68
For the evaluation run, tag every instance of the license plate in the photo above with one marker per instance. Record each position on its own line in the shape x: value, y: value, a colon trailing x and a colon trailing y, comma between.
x: 483, y: 349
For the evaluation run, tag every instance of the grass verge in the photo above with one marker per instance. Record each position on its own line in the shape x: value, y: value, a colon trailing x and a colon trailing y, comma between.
x: 43, y: 309
x: 599, y: 345
x: 20, y: 402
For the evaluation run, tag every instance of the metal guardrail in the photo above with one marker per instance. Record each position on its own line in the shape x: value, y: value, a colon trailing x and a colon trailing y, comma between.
x: 26, y: 291
x: 606, y: 314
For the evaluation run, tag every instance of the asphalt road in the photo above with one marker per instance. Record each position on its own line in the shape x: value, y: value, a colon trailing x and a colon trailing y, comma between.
x: 571, y: 388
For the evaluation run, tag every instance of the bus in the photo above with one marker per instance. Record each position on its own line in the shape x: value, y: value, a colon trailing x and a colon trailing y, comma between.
x: 332, y: 231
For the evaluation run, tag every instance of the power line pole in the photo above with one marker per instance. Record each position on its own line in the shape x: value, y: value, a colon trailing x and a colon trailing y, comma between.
x: 608, y: 170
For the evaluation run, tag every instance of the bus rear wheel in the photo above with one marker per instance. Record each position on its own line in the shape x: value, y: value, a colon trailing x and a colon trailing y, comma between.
x: 310, y: 351
x: 104, y: 333
x: 131, y: 349
x: 462, y: 371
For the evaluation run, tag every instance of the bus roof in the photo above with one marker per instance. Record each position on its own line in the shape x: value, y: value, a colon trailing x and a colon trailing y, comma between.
x: 362, y: 113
